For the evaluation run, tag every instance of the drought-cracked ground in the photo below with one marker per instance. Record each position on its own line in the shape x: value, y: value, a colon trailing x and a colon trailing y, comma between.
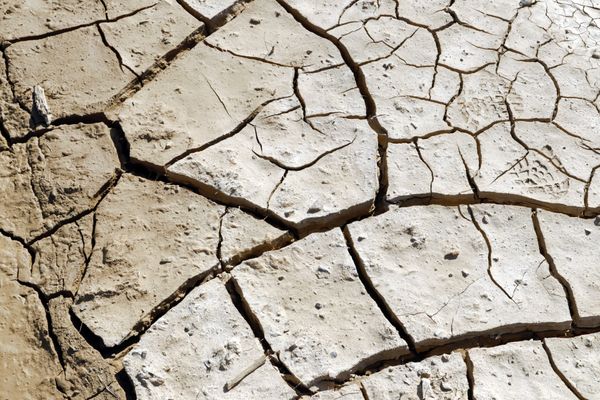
x: 285, y: 199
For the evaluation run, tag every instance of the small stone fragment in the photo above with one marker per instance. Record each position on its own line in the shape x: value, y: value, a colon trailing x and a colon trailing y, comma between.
x: 41, y: 111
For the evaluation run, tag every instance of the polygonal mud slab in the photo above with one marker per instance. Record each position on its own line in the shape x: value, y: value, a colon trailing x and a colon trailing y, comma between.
x: 57, y: 176
x: 572, y: 245
x: 571, y: 155
x: 439, y: 377
x: 330, y: 91
x: 151, y: 239
x: 286, y: 136
x: 197, y: 348
x: 243, y: 235
x: 578, y: 361
x: 516, y: 370
x: 299, y: 293
x: 342, y: 184
x: 68, y: 67
x: 20, y: 19
x: 144, y: 37
x: 29, y: 363
x: 86, y: 373
x: 433, y: 268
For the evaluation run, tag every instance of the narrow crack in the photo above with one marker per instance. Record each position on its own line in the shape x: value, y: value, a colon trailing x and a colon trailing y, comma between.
x: 243, y: 124
x: 243, y: 308
x: 431, y: 174
x: 586, y: 192
x: 212, y: 89
x: 103, y: 2
x: 288, y: 168
x: 488, y: 244
x: 54, y: 343
x: 114, y: 50
x: 275, y: 188
x: 381, y: 203
x: 363, y: 391
x: 554, y: 271
x: 4, y: 132
x: 559, y: 373
x: 375, y: 295
x: 11, y: 84
x: 124, y: 380
x: 255, y: 58
x: 209, y: 25
x: 88, y: 257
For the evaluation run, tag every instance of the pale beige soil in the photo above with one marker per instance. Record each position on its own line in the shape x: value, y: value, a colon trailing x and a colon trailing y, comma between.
x: 293, y: 199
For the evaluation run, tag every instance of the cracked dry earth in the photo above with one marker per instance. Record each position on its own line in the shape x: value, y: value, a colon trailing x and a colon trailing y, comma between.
x: 298, y: 199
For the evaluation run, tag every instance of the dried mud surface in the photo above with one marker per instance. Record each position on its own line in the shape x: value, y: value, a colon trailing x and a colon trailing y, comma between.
x: 290, y: 199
